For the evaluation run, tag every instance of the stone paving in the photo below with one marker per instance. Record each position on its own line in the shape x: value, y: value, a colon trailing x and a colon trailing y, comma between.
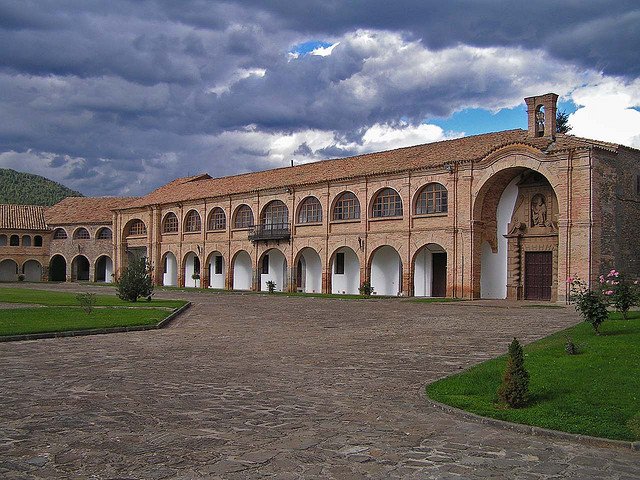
x: 258, y: 386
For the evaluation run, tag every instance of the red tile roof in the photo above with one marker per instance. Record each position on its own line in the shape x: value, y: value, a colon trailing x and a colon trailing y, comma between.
x: 76, y: 210
x: 22, y: 217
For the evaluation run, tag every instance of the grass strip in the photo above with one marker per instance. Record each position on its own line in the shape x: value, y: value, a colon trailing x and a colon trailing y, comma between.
x: 596, y: 392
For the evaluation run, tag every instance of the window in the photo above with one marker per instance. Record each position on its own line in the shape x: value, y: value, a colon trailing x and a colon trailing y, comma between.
x: 37, y: 241
x: 59, y: 234
x: 170, y: 223
x: 217, y: 219
x: 275, y: 213
x: 310, y: 211
x: 3, y: 240
x: 265, y: 264
x: 347, y: 207
x: 105, y: 234
x: 387, y: 204
x: 340, y: 263
x: 26, y: 241
x: 136, y: 228
x: 192, y: 222
x: 432, y: 199
x: 81, y: 234
x: 217, y: 266
x: 14, y: 241
x: 244, y: 217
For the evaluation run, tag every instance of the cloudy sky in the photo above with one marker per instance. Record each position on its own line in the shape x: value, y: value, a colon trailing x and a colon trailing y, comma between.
x: 119, y: 97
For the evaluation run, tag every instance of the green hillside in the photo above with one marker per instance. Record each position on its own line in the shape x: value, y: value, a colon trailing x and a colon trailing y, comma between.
x: 28, y: 189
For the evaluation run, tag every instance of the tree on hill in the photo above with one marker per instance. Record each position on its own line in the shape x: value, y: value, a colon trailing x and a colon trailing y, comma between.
x: 28, y: 189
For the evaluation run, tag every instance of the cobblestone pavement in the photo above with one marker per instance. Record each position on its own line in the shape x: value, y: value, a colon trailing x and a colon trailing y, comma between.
x: 257, y: 386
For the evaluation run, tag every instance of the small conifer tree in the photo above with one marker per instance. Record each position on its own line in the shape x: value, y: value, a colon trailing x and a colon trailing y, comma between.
x: 135, y: 281
x: 514, y: 390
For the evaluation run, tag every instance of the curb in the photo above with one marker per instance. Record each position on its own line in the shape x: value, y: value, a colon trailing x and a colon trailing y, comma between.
x: 535, y: 431
x: 96, y: 331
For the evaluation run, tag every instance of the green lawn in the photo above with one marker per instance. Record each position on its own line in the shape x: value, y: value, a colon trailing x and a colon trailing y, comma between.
x: 594, y: 393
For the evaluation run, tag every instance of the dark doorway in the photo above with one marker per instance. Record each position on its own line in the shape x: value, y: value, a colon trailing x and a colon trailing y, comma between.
x: 538, y: 275
x: 58, y: 269
x: 80, y: 268
x: 439, y: 279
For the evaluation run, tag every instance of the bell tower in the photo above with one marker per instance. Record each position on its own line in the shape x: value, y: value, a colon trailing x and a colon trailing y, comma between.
x: 541, y: 114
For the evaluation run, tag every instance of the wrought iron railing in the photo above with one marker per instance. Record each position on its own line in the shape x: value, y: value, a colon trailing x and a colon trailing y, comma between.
x: 270, y: 231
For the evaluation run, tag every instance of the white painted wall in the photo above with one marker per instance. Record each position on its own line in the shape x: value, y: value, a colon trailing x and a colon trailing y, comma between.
x: 349, y: 282
x: 423, y: 270
x: 242, y: 271
x: 32, y: 271
x: 8, y: 271
x: 170, y: 277
x: 493, y: 267
x: 277, y: 271
x: 385, y: 271
x: 108, y: 270
x: 313, y: 271
x: 189, y: 271
x: 216, y: 280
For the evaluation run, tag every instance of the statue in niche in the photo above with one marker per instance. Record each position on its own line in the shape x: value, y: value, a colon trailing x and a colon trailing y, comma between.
x: 538, y: 211
x: 540, y: 121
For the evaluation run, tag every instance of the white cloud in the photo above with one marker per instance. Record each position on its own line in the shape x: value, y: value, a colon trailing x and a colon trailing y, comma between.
x: 235, y: 77
x: 606, y: 111
x: 324, y: 51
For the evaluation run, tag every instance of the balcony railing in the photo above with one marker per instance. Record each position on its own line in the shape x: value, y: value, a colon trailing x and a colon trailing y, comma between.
x: 270, y: 231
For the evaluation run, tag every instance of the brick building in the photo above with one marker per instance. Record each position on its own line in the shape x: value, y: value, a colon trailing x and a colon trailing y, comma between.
x: 508, y: 214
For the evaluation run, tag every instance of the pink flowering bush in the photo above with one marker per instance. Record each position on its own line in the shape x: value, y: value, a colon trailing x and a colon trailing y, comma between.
x: 619, y: 292
x: 589, y: 303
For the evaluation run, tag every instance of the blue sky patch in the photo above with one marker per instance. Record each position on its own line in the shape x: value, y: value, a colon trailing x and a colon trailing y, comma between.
x: 308, y: 47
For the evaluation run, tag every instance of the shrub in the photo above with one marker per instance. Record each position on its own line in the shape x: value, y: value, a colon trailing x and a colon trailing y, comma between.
x: 619, y: 293
x: 590, y: 304
x: 135, y: 281
x: 271, y: 286
x: 87, y: 301
x: 514, y: 390
x: 570, y: 347
x: 21, y: 277
x: 365, y: 289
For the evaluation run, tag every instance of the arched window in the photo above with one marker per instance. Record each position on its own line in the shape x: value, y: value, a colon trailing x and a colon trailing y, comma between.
x: 387, y: 203
x: 26, y: 241
x: 192, y: 222
x: 432, y: 199
x: 170, y: 223
x: 137, y: 228
x: 217, y: 219
x: 59, y: 234
x: 3, y: 240
x: 310, y: 211
x: 81, y: 234
x: 104, y: 233
x: 275, y: 213
x: 346, y: 207
x: 14, y: 241
x: 244, y: 217
x: 37, y: 241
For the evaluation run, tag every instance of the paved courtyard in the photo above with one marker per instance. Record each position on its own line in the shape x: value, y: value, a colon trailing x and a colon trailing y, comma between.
x: 257, y: 386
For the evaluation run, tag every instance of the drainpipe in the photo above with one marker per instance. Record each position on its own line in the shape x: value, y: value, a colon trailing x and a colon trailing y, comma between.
x: 590, y: 215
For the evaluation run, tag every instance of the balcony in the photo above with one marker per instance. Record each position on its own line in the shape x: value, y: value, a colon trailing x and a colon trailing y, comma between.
x: 270, y: 231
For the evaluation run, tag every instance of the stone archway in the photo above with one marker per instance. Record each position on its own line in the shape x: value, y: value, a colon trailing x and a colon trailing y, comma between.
x: 217, y: 271
x: 169, y: 270
x: 8, y: 270
x: 103, y: 269
x: 430, y: 271
x: 191, y: 270
x: 242, y: 271
x: 58, y: 269
x: 80, y: 268
x: 345, y: 272
x: 32, y: 270
x: 273, y: 268
x: 308, y: 271
x: 386, y: 271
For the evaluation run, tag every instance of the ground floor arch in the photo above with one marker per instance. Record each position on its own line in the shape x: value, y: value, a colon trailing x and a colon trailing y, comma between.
x: 80, y: 267
x: 242, y: 271
x: 217, y: 270
x: 192, y: 270
x: 273, y: 268
x: 345, y: 271
x: 58, y: 269
x: 430, y: 271
x: 169, y: 270
x: 309, y: 271
x: 8, y: 270
x: 386, y: 271
x: 103, y: 269
x: 32, y: 270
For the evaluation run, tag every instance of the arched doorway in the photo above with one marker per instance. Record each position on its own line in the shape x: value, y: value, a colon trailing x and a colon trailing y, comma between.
x: 80, y: 269
x: 192, y: 270
x: 169, y: 270
x: 430, y: 271
x: 309, y: 271
x: 103, y: 269
x: 273, y: 268
x: 242, y: 271
x: 8, y: 271
x: 32, y: 271
x: 386, y: 271
x: 345, y: 272
x: 58, y: 269
x: 216, y: 270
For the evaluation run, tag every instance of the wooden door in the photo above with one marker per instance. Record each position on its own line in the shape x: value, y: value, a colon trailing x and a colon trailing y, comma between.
x: 439, y: 275
x: 538, y: 275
